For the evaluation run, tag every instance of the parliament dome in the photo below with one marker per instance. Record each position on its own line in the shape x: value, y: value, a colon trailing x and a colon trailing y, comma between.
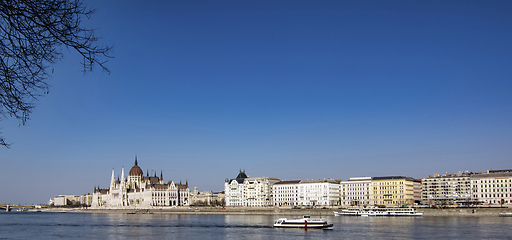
x: 135, y: 170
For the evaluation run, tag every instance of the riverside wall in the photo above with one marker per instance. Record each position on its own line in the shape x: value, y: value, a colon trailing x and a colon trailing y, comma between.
x: 464, y: 212
x: 428, y: 212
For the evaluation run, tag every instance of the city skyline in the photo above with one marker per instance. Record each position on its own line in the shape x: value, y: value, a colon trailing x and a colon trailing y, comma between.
x: 292, y: 90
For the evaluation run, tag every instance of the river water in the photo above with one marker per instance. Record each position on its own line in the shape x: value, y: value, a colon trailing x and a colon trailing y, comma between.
x: 32, y: 225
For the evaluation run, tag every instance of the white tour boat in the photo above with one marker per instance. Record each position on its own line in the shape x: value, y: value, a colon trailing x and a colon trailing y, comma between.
x: 505, y: 214
x: 305, y: 222
x: 376, y: 212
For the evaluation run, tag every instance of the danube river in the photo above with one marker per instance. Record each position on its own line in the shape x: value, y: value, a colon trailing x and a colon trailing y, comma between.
x: 32, y: 225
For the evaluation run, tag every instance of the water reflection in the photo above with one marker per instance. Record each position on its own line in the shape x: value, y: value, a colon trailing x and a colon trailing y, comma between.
x: 170, y: 226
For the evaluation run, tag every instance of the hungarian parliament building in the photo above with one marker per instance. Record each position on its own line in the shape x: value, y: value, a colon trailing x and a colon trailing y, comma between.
x: 141, y: 192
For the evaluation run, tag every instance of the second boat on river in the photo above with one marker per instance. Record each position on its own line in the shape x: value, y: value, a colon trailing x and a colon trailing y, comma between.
x: 379, y: 212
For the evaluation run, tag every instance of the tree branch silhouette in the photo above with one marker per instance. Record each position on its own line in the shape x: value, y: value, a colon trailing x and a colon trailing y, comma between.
x: 33, y: 34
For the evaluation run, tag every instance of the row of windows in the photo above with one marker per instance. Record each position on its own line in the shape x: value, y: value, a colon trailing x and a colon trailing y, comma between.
x: 285, y: 187
x: 444, y: 193
x: 355, y: 185
x: 493, y: 190
x: 164, y: 194
x: 388, y: 187
x: 356, y: 198
x: 494, y: 185
x: 356, y: 193
x: 445, y: 179
x: 493, y: 195
x: 445, y: 185
x: 388, y: 202
x: 286, y: 191
x: 388, y: 183
x: 354, y: 189
x: 285, y: 199
x: 493, y: 181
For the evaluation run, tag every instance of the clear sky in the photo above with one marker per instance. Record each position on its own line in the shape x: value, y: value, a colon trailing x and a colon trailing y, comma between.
x: 286, y: 89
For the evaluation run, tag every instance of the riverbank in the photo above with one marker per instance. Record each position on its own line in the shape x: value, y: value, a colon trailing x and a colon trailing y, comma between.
x: 428, y: 212
x: 465, y: 212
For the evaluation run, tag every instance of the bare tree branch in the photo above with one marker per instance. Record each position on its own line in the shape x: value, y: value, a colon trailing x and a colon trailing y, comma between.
x: 33, y: 34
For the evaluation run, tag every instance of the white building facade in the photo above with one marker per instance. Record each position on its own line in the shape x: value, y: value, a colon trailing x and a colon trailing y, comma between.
x: 493, y: 187
x: 233, y: 189
x: 206, y: 198
x: 356, y: 191
x: 257, y: 192
x: 139, y: 191
x: 64, y: 200
x: 249, y: 192
x: 319, y: 193
x: 286, y: 193
x: 86, y: 200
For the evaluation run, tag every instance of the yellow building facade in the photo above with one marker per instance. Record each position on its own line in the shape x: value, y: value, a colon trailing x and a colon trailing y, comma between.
x: 393, y: 191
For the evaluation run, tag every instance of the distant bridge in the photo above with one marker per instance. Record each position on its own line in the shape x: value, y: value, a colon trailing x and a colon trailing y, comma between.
x: 9, y: 207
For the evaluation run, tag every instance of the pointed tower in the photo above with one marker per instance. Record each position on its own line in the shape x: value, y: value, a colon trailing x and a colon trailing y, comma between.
x: 123, y: 181
x: 112, y: 181
x: 161, y: 177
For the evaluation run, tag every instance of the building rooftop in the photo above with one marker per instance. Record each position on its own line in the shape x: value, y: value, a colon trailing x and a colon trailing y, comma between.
x: 394, y: 177
x: 288, y: 182
x: 319, y: 181
x: 239, y: 178
x: 494, y: 173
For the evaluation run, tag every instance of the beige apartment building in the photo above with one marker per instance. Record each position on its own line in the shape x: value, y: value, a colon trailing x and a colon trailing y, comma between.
x: 395, y: 191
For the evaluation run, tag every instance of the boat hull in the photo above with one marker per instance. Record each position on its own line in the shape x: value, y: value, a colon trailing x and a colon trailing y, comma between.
x: 304, y: 223
x: 309, y: 226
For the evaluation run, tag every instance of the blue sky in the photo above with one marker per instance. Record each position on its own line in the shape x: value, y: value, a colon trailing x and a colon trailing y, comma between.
x: 288, y: 89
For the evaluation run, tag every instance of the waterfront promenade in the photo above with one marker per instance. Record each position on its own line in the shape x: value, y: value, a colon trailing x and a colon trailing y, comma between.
x: 428, y: 212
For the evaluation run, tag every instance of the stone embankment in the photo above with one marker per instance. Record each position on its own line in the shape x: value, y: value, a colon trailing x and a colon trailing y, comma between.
x: 464, y: 212
x: 428, y: 212
x: 217, y: 211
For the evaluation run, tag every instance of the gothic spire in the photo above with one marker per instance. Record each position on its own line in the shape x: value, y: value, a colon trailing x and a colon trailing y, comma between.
x: 113, y: 179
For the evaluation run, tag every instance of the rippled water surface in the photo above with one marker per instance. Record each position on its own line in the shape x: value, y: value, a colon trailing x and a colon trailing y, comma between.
x: 26, y: 225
